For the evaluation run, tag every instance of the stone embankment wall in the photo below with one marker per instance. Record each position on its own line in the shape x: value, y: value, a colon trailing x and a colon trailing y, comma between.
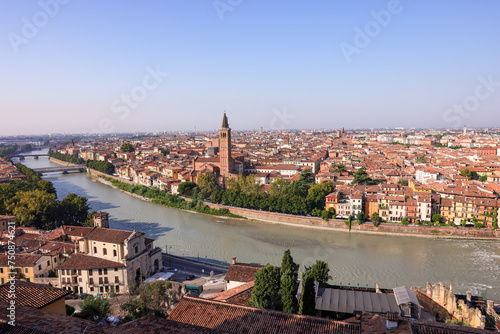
x: 440, y: 301
x: 54, y: 281
x: 57, y: 161
x: 389, y: 229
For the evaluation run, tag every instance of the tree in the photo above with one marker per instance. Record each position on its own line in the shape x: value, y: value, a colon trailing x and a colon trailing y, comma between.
x: 127, y: 147
x: 94, y: 308
x: 405, y: 221
x: 207, y: 183
x: 165, y: 152
x: 436, y: 218
x: 73, y: 210
x: 403, y: 182
x: 483, y: 178
x: 375, y: 219
x: 307, y: 304
x: 305, y: 181
x: 245, y: 184
x: 34, y: 208
x: 266, y: 291
x: 319, y: 272
x: 288, y: 291
x: 422, y: 159
x: 361, y: 177
x: 337, y: 168
x: 361, y: 216
x: 153, y: 298
x: 348, y: 222
x: 466, y: 173
x: 317, y: 193
x: 287, y: 262
x: 186, y: 188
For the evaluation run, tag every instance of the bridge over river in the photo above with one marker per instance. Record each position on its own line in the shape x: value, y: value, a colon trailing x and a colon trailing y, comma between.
x: 63, y: 169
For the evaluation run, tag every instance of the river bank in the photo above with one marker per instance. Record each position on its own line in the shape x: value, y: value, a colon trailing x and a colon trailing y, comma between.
x: 336, y: 225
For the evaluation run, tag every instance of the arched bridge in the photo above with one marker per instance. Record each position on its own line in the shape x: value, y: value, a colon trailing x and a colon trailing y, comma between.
x: 63, y: 169
x: 22, y: 156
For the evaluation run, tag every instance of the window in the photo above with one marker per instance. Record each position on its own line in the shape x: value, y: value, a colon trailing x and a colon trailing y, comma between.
x: 106, y: 280
x: 105, y: 252
x: 117, y: 280
x: 95, y: 250
x: 114, y: 253
x: 116, y: 269
x: 80, y: 279
x: 1, y: 270
x: 25, y: 270
x: 39, y: 267
x: 2, y: 280
x: 100, y: 280
x: 79, y: 272
x: 92, y: 289
x: 136, y: 249
x: 55, y: 260
x: 91, y: 280
x: 48, y: 263
x: 100, y: 271
x: 105, y: 271
x: 117, y: 288
x: 90, y: 271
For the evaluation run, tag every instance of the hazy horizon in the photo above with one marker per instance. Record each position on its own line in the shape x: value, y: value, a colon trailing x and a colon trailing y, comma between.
x: 76, y: 67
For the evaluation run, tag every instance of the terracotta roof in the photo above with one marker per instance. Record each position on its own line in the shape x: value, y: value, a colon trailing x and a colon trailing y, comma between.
x: 242, y: 272
x: 18, y: 329
x: 108, y: 235
x: 82, y: 261
x: 31, y: 294
x: 76, y: 231
x: 231, y: 318
x: 48, y: 322
x: 239, y: 295
x: 22, y: 260
x: 157, y: 325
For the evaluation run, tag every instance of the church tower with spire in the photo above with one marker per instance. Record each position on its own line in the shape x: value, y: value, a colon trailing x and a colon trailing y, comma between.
x: 226, y: 162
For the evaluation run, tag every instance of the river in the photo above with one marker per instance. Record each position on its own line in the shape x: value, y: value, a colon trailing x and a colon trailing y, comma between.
x: 355, y: 259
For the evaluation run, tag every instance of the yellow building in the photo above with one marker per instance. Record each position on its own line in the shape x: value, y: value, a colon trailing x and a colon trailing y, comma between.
x: 24, y: 266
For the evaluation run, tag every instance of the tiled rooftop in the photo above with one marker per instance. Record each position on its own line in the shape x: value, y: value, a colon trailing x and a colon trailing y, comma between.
x: 31, y: 294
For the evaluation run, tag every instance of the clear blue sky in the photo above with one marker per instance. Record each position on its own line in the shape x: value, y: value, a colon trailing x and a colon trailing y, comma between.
x: 259, y: 60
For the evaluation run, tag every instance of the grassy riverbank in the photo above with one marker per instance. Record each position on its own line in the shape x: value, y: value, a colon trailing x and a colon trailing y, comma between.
x: 172, y: 201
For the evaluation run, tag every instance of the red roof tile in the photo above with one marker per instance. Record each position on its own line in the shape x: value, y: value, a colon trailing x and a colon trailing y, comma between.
x: 82, y: 261
x: 31, y: 294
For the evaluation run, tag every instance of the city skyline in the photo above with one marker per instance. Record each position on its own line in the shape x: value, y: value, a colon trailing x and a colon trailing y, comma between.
x: 73, y: 67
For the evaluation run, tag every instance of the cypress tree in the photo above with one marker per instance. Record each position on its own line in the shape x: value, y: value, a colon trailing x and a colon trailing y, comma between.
x: 288, y: 291
x: 266, y: 290
x: 308, y: 298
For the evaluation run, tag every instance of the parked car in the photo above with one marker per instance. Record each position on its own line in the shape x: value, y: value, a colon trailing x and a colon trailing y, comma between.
x: 83, y: 296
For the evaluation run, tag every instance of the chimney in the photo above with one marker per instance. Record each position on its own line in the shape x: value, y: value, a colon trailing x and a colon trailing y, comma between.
x: 234, y: 260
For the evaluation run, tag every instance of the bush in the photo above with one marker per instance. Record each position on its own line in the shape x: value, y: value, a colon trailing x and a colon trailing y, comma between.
x: 325, y: 215
x: 405, y: 222
x: 70, y: 310
x: 94, y: 308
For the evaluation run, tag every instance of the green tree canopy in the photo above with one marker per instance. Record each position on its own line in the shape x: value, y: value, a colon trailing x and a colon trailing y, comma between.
x: 127, y: 147
x: 337, y: 168
x: 34, y: 208
x: 266, y: 291
x: 288, y: 291
x: 186, y: 188
x: 305, y: 181
x: 73, y: 210
x: 422, y: 159
x: 246, y: 184
x: 287, y: 262
x: 207, y: 183
x: 466, y: 173
x: 361, y: 177
x: 307, y: 304
x: 94, y: 308
x: 319, y: 272
x: 317, y: 194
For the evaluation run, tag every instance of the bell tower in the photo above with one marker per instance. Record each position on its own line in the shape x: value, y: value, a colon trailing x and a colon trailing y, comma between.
x: 226, y: 162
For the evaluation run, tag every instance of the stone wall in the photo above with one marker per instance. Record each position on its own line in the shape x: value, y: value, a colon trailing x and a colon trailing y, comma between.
x: 54, y: 281
x: 440, y: 232
x: 440, y: 301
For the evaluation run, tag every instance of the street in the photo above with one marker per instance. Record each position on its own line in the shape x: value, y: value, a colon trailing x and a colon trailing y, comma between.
x: 191, y: 267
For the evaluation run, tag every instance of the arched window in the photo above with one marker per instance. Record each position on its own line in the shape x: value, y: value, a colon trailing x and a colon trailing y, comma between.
x: 104, y: 252
x: 95, y: 250
x: 114, y: 253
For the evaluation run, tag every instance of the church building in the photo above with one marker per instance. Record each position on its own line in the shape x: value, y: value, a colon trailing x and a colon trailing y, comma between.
x: 223, y: 164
